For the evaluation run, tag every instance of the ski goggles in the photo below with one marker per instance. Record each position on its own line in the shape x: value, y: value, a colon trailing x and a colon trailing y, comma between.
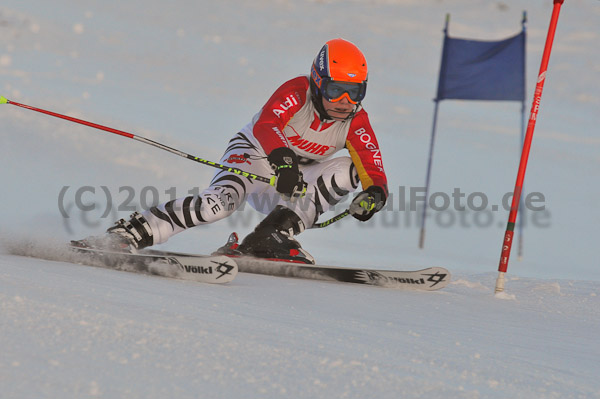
x: 333, y: 91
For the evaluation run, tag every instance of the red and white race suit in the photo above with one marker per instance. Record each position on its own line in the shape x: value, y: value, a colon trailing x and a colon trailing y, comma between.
x: 288, y: 119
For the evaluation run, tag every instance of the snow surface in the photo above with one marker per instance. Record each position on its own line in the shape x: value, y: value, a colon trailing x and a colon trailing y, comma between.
x: 191, y: 73
x: 75, y: 331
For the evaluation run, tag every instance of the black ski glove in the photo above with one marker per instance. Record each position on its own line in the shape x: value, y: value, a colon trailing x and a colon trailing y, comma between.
x: 288, y: 180
x: 367, y: 203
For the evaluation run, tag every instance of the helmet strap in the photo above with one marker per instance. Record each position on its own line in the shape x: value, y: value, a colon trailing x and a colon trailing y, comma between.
x: 351, y: 114
x: 317, y: 99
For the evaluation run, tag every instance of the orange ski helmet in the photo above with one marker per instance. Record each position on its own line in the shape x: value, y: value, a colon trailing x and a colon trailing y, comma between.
x: 338, y: 71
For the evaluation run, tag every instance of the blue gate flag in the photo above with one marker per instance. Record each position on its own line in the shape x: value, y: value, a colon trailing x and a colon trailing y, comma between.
x: 483, y: 70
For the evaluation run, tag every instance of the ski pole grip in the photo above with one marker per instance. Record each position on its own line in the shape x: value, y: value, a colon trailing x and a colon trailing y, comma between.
x: 3, y: 100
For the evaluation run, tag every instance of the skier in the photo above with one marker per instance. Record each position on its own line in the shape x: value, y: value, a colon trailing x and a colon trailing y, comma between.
x: 293, y: 136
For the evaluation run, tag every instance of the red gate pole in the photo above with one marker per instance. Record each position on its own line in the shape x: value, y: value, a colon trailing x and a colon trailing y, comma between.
x: 537, y: 97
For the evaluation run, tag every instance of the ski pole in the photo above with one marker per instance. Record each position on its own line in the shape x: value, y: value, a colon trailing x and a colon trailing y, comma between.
x: 332, y: 220
x: 267, y: 180
x: 512, y: 218
x: 271, y: 181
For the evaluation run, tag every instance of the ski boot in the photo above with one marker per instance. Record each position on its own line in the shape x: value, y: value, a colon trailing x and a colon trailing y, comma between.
x: 124, y: 236
x: 272, y: 239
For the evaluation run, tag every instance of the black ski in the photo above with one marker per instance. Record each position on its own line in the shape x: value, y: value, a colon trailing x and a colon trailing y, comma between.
x: 429, y: 279
x: 222, y: 269
x: 201, y: 268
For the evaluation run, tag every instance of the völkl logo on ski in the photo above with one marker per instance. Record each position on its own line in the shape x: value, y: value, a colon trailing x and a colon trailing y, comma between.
x: 436, y: 278
x: 223, y: 268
